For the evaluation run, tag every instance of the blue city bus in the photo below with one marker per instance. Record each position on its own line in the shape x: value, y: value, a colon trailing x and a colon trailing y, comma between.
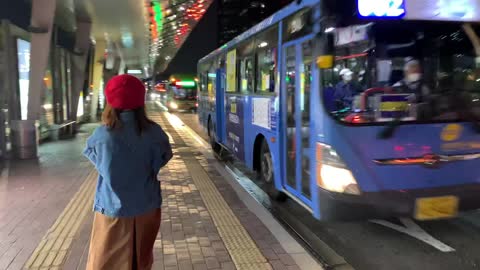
x: 354, y: 110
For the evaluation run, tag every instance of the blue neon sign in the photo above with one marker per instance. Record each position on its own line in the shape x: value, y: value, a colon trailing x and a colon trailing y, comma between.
x: 381, y: 8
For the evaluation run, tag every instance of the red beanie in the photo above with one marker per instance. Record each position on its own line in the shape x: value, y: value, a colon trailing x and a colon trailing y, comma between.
x: 125, y: 92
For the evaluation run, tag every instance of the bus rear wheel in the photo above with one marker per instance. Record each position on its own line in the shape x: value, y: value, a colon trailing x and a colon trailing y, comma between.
x: 266, y: 174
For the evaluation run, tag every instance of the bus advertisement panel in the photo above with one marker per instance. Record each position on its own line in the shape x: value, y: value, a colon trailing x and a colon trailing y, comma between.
x: 235, y: 130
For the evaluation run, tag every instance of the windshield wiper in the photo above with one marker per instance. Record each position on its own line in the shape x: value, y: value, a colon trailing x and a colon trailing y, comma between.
x: 463, y: 108
x: 473, y: 120
x: 389, y: 130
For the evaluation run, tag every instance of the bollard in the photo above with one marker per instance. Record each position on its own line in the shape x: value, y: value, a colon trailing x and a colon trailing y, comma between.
x: 24, y: 137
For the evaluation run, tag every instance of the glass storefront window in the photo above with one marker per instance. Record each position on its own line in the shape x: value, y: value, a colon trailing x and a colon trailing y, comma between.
x: 47, y: 98
x: 63, y: 74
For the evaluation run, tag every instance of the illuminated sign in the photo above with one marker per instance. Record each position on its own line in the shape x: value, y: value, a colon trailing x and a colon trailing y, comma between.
x: 23, y: 57
x: 134, y: 71
x: 381, y: 8
x: 186, y: 83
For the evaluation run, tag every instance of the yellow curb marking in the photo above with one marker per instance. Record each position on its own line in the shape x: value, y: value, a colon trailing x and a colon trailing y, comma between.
x: 53, y: 248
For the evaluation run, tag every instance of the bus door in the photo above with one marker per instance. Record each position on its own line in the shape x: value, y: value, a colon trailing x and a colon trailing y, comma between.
x: 220, y: 104
x: 297, y: 78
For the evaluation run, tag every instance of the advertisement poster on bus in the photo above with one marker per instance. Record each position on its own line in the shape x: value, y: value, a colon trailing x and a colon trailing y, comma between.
x: 232, y: 71
x: 235, y: 131
x: 264, y: 111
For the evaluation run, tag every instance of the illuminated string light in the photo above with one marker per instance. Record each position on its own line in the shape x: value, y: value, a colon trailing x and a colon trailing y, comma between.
x: 180, y: 20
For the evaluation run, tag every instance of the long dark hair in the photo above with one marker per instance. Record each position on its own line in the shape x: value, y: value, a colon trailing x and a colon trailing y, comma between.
x: 111, y: 119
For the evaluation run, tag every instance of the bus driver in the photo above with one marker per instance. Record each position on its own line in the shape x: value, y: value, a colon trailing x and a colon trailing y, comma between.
x: 413, y: 82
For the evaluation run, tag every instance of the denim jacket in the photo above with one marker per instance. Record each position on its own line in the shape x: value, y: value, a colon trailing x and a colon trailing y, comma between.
x: 128, y: 165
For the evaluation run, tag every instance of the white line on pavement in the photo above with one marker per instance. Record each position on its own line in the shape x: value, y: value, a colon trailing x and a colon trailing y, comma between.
x: 412, y: 229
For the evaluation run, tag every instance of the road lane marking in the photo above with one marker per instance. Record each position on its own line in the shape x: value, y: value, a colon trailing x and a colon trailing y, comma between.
x: 414, y: 230
x: 179, y: 123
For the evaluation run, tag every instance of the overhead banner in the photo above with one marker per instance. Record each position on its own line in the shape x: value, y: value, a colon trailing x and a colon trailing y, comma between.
x: 232, y: 71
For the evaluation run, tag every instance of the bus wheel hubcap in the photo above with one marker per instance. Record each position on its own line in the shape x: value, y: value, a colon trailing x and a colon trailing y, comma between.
x: 267, y: 167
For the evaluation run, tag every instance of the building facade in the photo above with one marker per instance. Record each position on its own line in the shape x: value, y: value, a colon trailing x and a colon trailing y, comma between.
x: 237, y: 16
x: 54, y: 55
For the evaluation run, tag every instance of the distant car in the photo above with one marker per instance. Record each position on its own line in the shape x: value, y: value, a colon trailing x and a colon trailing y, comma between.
x: 162, y: 89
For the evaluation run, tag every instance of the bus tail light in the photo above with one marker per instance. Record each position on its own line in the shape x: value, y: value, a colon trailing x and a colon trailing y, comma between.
x: 332, y: 173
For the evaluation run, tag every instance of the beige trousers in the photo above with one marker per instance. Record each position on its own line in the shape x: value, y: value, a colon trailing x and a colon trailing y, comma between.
x: 123, y: 243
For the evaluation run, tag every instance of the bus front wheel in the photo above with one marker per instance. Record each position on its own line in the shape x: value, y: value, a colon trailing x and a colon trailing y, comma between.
x: 211, y: 136
x: 266, y: 173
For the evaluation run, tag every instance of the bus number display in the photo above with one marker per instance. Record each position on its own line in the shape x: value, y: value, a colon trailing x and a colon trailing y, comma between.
x: 381, y: 8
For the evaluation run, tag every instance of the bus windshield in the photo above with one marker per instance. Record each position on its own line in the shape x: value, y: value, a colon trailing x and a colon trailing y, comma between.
x: 183, y: 93
x: 404, y: 71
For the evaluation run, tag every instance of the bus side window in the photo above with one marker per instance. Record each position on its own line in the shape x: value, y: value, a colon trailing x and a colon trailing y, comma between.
x: 266, y: 44
x: 246, y: 78
x: 212, y: 83
x: 203, y: 81
x: 328, y: 81
x: 202, y: 70
x: 246, y: 66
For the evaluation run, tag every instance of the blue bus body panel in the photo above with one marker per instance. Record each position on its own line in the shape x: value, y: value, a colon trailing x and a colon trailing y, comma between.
x: 317, y: 127
x: 359, y: 147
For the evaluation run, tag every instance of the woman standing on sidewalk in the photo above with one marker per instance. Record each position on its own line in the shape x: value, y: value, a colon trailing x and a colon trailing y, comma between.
x: 128, y: 152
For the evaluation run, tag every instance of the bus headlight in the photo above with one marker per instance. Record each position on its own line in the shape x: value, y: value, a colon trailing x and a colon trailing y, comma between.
x: 173, y: 105
x: 332, y: 173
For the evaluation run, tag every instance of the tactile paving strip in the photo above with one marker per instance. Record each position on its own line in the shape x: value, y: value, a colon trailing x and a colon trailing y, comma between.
x: 241, y: 247
x: 54, y: 246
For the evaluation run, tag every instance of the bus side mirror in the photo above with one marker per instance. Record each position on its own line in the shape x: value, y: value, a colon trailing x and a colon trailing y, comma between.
x: 327, y: 47
x: 325, y: 61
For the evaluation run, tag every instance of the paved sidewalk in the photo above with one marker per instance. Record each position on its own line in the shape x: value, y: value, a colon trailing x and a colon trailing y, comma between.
x: 33, y: 194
